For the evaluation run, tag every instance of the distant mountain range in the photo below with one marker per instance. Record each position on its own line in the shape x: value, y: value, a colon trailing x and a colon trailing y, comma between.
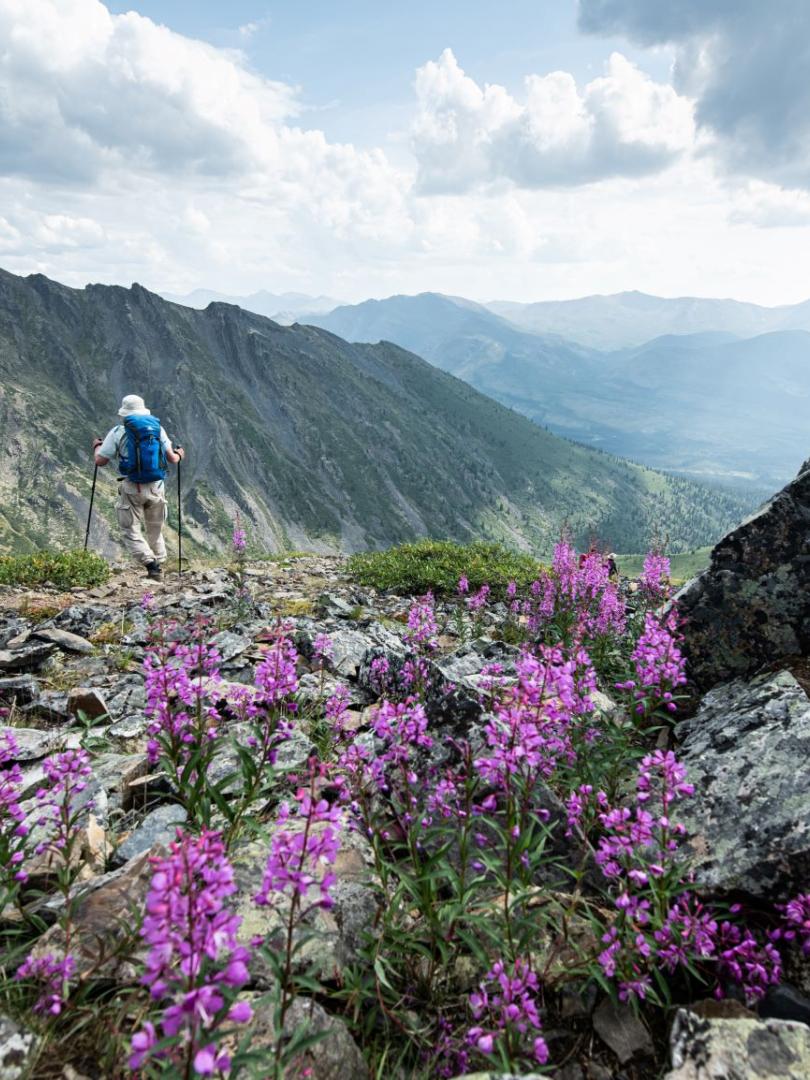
x: 284, y: 308
x: 707, y: 404
x: 314, y: 441
x: 632, y: 318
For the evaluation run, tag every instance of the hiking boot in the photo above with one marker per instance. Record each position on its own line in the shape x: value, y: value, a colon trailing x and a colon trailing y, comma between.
x: 154, y: 571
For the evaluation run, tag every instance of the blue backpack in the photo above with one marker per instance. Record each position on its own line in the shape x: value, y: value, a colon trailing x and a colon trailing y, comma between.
x: 144, y: 461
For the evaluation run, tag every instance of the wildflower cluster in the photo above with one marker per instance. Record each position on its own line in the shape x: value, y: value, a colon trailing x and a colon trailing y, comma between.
x: 306, y: 843
x: 505, y: 1010
x: 194, y: 966
x: 178, y: 675
x: 660, y: 925
x: 654, y: 580
x: 534, y: 720
x: 13, y: 830
x: 660, y: 667
x: 422, y: 628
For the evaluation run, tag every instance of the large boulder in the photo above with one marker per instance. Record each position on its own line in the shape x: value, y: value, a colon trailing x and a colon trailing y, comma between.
x: 747, y: 751
x: 752, y: 605
x: 729, y: 1049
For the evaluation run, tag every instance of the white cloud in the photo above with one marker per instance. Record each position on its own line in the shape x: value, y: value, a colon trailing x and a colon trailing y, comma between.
x: 746, y: 65
x: 83, y: 91
x: 130, y: 153
x: 769, y: 206
x: 621, y: 124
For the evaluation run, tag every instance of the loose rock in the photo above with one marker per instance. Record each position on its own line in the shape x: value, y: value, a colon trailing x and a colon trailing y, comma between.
x: 17, y: 1046
x: 727, y: 1049
x: 747, y: 751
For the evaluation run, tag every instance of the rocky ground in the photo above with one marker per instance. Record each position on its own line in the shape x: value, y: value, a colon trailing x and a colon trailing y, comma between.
x: 70, y: 675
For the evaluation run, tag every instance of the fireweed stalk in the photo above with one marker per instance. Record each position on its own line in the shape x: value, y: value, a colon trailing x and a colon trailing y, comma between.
x: 242, y: 595
x: 659, y: 926
x: 528, y: 738
x: 301, y: 852
x: 194, y: 967
x: 267, y: 708
x: 13, y: 830
x: 507, y: 1019
x: 183, y: 725
x: 62, y: 806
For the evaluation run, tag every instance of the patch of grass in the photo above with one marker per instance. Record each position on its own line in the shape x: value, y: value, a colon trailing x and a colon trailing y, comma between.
x: 436, y: 566
x: 295, y: 607
x: 65, y: 570
x: 38, y: 610
x: 111, y: 633
x: 683, y: 567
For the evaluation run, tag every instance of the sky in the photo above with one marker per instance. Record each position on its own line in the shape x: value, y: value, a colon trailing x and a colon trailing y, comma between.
x: 522, y: 151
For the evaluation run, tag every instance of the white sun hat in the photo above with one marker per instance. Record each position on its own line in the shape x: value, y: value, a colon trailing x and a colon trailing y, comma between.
x: 132, y: 405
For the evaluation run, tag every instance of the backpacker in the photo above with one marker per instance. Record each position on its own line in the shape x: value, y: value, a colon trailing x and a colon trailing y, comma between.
x: 143, y: 461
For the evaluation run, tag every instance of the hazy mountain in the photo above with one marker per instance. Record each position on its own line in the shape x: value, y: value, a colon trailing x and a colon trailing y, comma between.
x: 465, y: 339
x: 285, y: 308
x: 315, y: 441
x: 707, y: 404
x: 631, y: 318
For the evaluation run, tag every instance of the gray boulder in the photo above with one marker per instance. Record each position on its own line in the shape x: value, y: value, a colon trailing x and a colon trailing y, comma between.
x: 752, y: 605
x: 17, y: 1046
x: 335, y: 1056
x: 747, y: 751
x: 730, y: 1049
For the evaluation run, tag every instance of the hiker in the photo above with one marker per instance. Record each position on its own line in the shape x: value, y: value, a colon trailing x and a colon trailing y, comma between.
x: 612, y: 568
x: 141, y: 448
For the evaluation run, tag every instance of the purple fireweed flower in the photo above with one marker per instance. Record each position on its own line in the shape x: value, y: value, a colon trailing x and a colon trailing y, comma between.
x: 336, y: 707
x: 67, y: 774
x: 531, y: 732
x: 13, y: 830
x: 463, y: 585
x: 659, y: 664
x: 147, y: 600
x: 277, y: 676
x: 323, y: 647
x: 422, y: 628
x: 741, y: 959
x: 178, y: 678
x: 688, y: 933
x: 194, y: 964
x: 54, y: 974
x: 506, y: 1002
x: 479, y: 600
x: 239, y: 539
x: 307, y: 842
x: 797, y: 921
x: 655, y: 576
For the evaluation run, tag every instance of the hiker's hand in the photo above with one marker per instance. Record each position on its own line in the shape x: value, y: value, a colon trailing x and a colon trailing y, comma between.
x: 97, y: 443
x: 180, y: 452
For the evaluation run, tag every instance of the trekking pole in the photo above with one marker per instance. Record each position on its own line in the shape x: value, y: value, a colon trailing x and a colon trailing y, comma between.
x: 90, y: 511
x: 179, y: 517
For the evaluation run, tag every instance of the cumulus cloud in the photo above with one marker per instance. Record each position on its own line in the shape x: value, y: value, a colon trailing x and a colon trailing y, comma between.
x: 620, y: 124
x: 94, y: 99
x: 82, y: 90
x: 745, y: 62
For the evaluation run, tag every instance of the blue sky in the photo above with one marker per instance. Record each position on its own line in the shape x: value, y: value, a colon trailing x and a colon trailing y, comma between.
x: 355, y: 61
x: 523, y: 151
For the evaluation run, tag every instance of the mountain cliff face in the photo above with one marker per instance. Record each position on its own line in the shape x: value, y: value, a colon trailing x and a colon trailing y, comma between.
x: 315, y: 441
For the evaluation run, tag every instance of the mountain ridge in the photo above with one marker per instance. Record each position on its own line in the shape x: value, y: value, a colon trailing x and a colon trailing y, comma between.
x: 314, y: 441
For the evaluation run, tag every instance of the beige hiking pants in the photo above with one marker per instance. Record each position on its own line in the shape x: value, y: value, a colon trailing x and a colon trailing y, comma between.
x: 139, y: 505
